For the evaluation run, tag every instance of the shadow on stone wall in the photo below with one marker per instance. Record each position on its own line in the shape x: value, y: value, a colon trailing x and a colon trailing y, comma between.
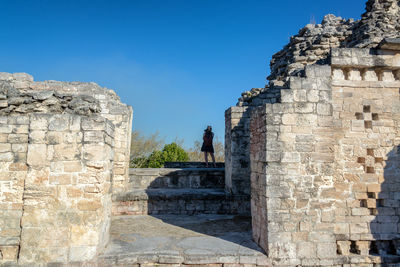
x: 384, y: 203
x: 237, y: 150
x: 192, y: 192
x: 190, y: 178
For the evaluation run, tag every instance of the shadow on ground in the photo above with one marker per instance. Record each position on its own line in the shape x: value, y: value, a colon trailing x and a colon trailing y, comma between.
x: 231, y: 228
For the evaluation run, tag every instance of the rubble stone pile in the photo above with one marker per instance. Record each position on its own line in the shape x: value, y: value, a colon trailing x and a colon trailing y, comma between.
x: 314, y: 42
x: 381, y: 20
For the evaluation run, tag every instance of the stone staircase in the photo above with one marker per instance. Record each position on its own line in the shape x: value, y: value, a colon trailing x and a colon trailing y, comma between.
x: 178, y: 191
x: 180, y: 217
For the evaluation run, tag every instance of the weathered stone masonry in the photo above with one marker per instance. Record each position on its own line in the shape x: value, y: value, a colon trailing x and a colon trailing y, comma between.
x: 317, y: 149
x: 63, y: 149
x: 323, y: 153
x: 324, y: 163
x: 237, y: 142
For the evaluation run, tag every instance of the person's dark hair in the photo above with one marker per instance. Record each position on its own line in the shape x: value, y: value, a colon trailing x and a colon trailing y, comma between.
x: 208, y: 129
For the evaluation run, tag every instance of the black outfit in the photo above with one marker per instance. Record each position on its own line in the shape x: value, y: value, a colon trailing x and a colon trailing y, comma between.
x: 207, y: 142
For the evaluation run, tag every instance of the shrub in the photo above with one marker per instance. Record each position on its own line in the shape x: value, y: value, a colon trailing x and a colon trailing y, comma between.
x: 171, y: 152
x: 155, y: 160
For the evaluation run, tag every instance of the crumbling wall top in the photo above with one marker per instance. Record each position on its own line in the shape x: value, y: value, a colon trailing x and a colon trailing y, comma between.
x: 20, y: 94
x: 381, y: 20
x: 313, y: 43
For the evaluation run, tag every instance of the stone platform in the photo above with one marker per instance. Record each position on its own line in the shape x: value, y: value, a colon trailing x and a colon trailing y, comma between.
x: 206, y: 239
x: 180, y: 202
x: 186, y: 191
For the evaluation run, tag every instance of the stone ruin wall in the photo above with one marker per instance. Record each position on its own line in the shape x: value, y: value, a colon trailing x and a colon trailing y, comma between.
x: 237, y: 142
x: 64, y: 147
x: 27, y: 96
x: 366, y: 97
x: 324, y: 166
x: 322, y: 145
x: 313, y: 44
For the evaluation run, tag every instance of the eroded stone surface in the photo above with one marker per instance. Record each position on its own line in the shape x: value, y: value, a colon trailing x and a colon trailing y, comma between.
x: 201, y: 239
x: 57, y: 147
x: 323, y: 147
x: 20, y: 94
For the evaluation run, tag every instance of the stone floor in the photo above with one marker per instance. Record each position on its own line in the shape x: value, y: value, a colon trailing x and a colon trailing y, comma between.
x: 182, y: 239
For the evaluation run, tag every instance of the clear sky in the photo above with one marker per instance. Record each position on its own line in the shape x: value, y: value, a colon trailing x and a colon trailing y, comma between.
x: 179, y: 63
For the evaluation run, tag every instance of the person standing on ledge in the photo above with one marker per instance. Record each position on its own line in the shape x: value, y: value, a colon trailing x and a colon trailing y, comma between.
x: 207, y: 146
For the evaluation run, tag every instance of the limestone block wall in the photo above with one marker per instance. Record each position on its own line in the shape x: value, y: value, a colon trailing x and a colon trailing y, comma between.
x: 237, y: 147
x: 291, y: 161
x: 366, y: 99
x: 13, y: 172
x: 55, y: 187
x: 20, y: 93
x: 237, y: 137
x: 258, y: 126
x: 324, y: 164
x: 67, y: 198
x: 57, y: 169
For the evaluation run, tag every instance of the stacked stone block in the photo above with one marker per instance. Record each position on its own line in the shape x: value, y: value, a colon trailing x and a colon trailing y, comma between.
x: 324, y: 164
x: 57, y: 154
x: 292, y: 164
x: 178, y: 191
x: 13, y: 172
x: 324, y: 155
x: 366, y: 99
x: 20, y: 93
x: 237, y: 137
x: 237, y: 146
x: 258, y: 182
x: 313, y: 43
x: 66, y: 199
x: 381, y: 20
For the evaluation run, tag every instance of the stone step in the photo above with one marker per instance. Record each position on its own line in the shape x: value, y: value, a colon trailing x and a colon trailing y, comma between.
x: 179, y: 201
x: 182, y: 240
x: 176, y: 178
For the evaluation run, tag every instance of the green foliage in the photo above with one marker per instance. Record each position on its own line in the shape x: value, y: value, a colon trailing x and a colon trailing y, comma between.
x: 155, y: 160
x: 146, y: 152
x: 173, y: 152
x: 170, y: 152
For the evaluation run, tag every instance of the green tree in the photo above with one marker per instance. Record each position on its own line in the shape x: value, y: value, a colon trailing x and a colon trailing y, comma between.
x: 142, y: 147
x: 146, y: 152
x: 173, y: 152
x: 170, y: 152
x: 155, y: 160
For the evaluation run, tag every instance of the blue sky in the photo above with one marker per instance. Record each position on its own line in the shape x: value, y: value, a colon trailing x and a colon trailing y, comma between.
x: 179, y: 63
